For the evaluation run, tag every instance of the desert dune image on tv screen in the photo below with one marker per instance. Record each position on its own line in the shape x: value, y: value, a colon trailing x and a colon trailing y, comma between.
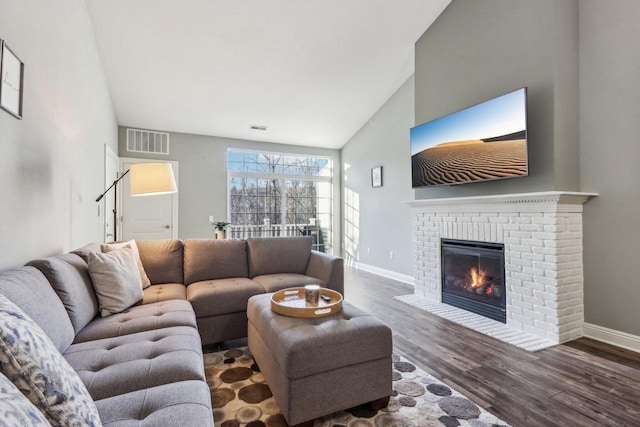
x: 484, y: 142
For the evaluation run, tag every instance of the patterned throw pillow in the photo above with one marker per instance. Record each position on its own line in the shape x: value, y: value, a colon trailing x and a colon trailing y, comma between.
x: 30, y: 360
x: 16, y: 410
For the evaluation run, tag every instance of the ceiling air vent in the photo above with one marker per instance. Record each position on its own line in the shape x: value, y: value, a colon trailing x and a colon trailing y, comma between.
x: 258, y: 127
x: 145, y: 141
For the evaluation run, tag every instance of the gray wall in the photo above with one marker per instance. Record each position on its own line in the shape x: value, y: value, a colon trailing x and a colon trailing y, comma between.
x: 51, y: 166
x: 203, y: 177
x: 609, y: 160
x: 383, y: 219
x: 477, y: 50
x: 580, y: 62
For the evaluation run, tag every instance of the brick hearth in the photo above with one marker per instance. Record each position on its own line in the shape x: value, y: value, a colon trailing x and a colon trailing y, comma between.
x: 542, y: 235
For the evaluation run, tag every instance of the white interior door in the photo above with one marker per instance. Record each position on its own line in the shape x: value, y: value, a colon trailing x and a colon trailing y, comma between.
x: 147, y: 217
x: 111, y: 166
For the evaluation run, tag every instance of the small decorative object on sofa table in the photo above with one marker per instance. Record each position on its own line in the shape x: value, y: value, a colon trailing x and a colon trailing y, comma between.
x: 292, y: 302
x: 312, y: 294
x: 220, y: 227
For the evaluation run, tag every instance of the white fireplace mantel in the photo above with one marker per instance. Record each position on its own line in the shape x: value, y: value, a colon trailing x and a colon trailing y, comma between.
x: 544, y: 201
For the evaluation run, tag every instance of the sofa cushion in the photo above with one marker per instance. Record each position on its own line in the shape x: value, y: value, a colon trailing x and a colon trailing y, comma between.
x: 276, y: 282
x: 116, y: 280
x: 132, y: 362
x: 27, y: 288
x: 164, y: 292
x: 31, y: 361
x: 139, y: 318
x: 109, y: 247
x: 210, y: 259
x: 184, y: 403
x: 69, y: 276
x: 270, y: 255
x: 162, y: 260
x: 16, y: 410
x: 223, y: 296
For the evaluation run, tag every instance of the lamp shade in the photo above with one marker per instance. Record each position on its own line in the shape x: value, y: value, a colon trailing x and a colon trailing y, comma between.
x: 152, y: 178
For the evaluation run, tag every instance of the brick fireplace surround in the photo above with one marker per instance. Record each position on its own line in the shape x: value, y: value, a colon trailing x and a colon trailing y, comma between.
x: 542, y: 236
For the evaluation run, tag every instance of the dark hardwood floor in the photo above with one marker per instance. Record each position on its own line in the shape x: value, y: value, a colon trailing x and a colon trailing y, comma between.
x: 581, y: 383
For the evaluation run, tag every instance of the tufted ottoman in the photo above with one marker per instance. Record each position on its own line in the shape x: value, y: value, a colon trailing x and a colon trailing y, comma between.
x: 316, y: 367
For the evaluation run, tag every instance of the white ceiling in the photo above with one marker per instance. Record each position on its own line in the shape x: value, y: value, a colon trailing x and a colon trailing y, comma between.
x: 313, y: 71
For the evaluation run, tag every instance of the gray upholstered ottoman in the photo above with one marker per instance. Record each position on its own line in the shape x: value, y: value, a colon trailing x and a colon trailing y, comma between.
x: 315, y: 367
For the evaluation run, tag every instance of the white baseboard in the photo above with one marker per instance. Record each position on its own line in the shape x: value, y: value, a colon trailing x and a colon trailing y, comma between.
x: 404, y: 278
x: 613, y: 337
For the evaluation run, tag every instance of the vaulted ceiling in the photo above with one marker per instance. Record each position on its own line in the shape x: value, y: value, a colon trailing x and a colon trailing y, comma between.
x: 312, y: 71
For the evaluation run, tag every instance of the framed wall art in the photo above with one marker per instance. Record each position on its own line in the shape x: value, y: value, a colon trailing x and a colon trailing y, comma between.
x: 12, y: 81
x: 376, y: 176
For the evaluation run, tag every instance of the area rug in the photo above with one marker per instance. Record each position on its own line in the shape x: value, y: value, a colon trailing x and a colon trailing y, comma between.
x: 241, y: 397
x: 495, y: 329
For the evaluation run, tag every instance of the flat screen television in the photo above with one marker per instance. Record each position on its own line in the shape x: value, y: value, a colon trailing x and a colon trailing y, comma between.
x: 485, y: 142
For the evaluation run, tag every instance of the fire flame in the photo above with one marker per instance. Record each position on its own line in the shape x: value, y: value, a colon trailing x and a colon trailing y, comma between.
x: 490, y: 289
x: 477, y: 277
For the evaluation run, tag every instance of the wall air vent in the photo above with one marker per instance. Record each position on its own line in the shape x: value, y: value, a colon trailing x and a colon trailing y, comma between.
x: 258, y: 127
x: 145, y: 141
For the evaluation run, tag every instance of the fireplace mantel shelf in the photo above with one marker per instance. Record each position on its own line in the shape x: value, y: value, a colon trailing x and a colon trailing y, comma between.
x: 545, y: 201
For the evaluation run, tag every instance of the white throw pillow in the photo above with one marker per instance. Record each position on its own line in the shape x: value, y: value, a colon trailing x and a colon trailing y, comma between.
x: 109, y: 247
x: 33, y: 364
x: 116, y: 280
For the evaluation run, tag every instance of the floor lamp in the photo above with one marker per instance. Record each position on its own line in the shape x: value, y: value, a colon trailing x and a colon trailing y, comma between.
x: 147, y: 179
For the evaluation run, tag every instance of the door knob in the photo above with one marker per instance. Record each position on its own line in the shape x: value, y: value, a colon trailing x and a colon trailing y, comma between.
x: 166, y: 226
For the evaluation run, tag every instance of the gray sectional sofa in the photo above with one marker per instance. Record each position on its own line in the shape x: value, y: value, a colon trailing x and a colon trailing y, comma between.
x: 144, y: 366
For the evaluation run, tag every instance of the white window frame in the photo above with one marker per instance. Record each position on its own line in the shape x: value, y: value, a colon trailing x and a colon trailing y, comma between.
x: 286, y: 177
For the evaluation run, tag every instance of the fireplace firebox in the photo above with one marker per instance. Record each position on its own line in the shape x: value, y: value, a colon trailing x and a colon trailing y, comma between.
x: 473, y: 277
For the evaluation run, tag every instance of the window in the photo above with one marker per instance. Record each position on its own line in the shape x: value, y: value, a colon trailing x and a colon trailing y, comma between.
x: 273, y: 194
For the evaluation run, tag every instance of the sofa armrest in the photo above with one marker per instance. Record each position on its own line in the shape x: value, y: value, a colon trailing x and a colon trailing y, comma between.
x: 328, y: 268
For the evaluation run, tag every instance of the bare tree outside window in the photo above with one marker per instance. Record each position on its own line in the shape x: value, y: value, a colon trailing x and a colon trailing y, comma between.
x: 281, y: 190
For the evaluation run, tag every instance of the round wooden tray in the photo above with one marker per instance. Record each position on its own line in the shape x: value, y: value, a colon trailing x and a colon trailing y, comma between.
x: 291, y: 302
